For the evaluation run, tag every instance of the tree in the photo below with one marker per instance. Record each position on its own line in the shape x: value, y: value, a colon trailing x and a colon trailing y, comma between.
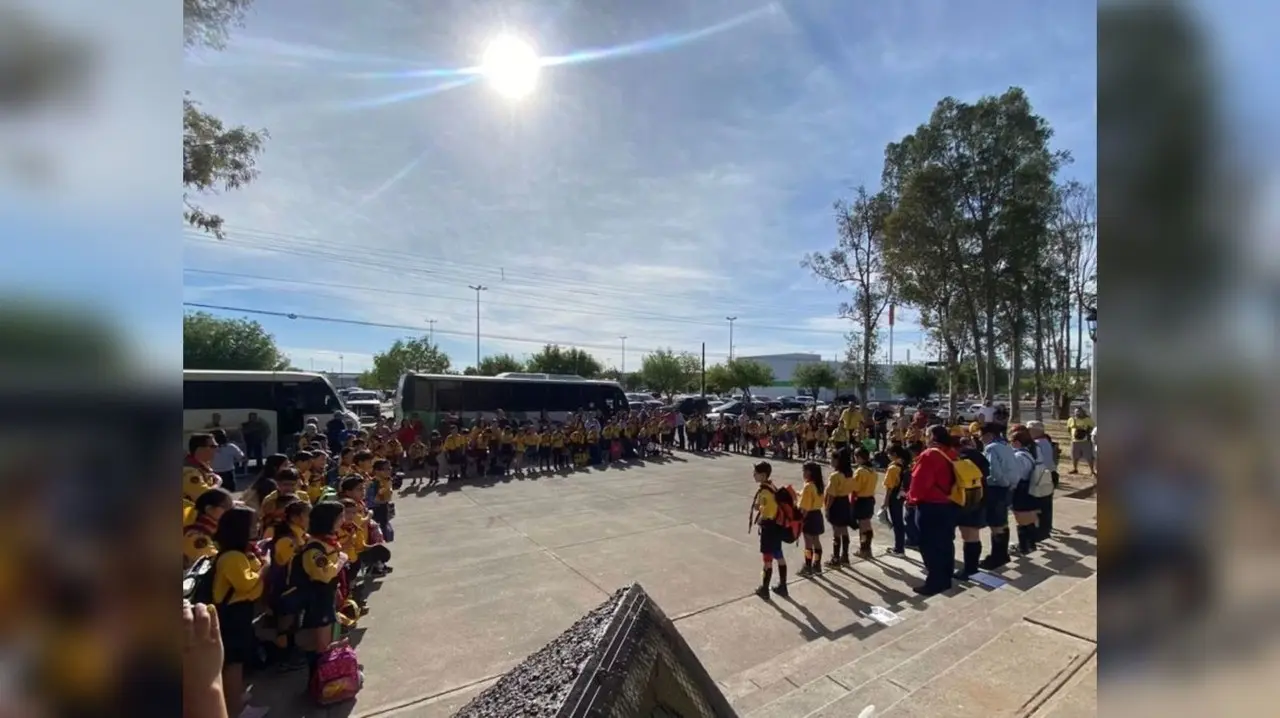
x: 495, y: 365
x: 815, y: 377
x: 214, y: 158
x: 630, y: 381
x: 915, y: 382
x: 669, y: 373
x: 739, y: 374
x: 856, y: 265
x: 554, y: 359
x: 210, y: 342
x: 402, y: 357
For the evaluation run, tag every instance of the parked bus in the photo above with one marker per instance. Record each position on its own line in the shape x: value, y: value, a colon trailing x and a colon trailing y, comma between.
x: 522, y: 397
x: 283, y: 399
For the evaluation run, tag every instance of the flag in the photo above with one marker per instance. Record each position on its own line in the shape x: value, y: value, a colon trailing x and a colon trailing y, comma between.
x: 891, y: 315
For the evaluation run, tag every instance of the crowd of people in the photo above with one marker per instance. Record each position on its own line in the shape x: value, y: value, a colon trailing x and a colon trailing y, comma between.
x: 287, y: 564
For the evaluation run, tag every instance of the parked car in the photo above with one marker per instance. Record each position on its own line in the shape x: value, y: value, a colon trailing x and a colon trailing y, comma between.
x: 730, y: 408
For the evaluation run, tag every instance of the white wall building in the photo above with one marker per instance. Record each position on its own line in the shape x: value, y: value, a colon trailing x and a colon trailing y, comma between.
x: 784, y: 367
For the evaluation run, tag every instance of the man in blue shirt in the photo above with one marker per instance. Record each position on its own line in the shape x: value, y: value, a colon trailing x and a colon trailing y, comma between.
x: 1002, y: 479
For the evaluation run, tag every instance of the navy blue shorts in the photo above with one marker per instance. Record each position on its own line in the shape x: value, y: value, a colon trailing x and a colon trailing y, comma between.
x: 995, y: 507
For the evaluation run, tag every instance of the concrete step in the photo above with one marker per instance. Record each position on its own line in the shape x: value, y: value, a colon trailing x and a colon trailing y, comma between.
x: 1078, y: 697
x: 795, y: 684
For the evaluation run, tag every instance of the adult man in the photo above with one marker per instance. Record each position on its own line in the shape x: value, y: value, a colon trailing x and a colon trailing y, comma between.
x: 1003, y: 477
x: 1080, y: 427
x: 255, y: 433
x: 932, y: 478
x: 986, y: 413
x: 197, y: 476
x: 215, y: 422
x: 850, y: 420
x: 335, y: 430
x: 880, y: 417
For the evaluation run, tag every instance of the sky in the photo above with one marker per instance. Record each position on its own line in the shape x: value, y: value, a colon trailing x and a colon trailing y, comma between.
x: 673, y: 166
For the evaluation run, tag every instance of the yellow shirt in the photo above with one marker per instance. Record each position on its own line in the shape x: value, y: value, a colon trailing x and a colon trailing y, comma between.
x: 593, y: 436
x: 850, y: 419
x: 287, y: 546
x: 766, y: 504
x: 810, y: 500
x: 237, y: 578
x: 557, y: 440
x: 864, y: 483
x: 892, y: 477
x: 1084, y: 425
x: 320, y: 563
x: 196, y: 481
x: 532, y: 439
x: 576, y: 437
x: 839, y: 485
x: 840, y: 435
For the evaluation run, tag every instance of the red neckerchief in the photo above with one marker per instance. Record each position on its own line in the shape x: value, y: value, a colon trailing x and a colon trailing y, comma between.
x: 329, y: 541
x: 205, y: 525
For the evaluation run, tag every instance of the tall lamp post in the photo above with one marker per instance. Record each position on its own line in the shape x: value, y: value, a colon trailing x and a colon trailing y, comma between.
x: 1091, y: 318
x: 477, y: 288
x: 731, y: 320
x: 624, y: 353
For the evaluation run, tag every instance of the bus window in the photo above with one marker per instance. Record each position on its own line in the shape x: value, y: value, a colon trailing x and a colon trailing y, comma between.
x: 315, y: 397
x: 450, y: 397
x: 198, y: 395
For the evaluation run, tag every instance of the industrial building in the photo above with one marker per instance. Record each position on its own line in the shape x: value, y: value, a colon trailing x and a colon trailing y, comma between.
x: 784, y: 367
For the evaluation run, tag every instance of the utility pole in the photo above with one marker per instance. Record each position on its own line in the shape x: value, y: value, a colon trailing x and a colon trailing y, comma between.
x: 704, y: 369
x: 477, y: 289
x: 624, y: 353
x: 431, y: 332
x: 341, y: 367
x: 731, y: 320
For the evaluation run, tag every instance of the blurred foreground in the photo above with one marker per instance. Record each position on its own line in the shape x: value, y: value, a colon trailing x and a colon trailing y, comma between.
x: 1190, y: 501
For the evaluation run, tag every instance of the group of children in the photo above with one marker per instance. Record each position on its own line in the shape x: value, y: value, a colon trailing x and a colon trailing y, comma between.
x: 284, y: 565
x: 847, y: 500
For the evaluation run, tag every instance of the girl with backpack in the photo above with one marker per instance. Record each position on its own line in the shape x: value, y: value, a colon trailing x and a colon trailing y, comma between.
x: 237, y: 586
x: 1025, y: 506
x: 811, y: 506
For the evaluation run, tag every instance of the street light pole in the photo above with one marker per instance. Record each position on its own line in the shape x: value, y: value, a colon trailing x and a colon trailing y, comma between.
x: 341, y: 367
x: 624, y: 353
x: 731, y: 320
x: 431, y: 332
x: 477, y: 288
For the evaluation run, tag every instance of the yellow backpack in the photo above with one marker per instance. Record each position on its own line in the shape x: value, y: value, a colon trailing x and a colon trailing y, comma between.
x: 966, y: 492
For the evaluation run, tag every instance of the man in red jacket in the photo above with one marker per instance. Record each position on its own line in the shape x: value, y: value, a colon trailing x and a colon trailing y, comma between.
x: 932, y: 477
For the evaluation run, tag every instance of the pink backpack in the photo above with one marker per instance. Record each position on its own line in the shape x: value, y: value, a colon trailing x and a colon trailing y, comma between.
x: 337, y: 676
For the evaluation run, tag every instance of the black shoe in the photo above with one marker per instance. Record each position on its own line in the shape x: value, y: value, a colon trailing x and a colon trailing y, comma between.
x: 781, y: 590
x: 897, y: 551
x: 927, y: 590
x: 763, y: 592
x: 961, y: 575
x: 804, y: 571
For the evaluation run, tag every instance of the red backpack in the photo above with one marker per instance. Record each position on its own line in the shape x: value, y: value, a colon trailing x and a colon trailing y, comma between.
x: 789, y: 518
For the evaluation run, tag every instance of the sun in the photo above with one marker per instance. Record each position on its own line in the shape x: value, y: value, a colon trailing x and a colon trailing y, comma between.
x: 511, y: 66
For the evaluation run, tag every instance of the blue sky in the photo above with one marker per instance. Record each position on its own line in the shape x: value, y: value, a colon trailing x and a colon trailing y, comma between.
x: 648, y: 194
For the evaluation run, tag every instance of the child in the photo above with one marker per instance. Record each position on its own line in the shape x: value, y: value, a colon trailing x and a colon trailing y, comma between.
x: 455, y: 446
x: 764, y: 511
x: 316, y: 571
x: 288, y: 539
x: 839, y: 511
x: 197, y: 535
x: 896, y: 482
x: 810, y: 506
x: 864, y: 500
x: 383, y: 510
x: 237, y: 586
x: 286, y: 485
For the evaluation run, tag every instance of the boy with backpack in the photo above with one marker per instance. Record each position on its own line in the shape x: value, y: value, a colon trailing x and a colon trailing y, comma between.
x: 775, y: 517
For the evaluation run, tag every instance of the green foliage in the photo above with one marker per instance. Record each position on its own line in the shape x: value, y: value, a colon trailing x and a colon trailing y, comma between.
x: 630, y: 381
x: 403, y: 356
x: 738, y: 374
x: 495, y: 365
x: 210, y: 342
x: 815, y: 377
x: 669, y: 373
x: 915, y: 382
x: 554, y: 359
x: 214, y: 158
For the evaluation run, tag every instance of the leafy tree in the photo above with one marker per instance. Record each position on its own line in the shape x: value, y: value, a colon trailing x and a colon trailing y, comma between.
x: 214, y: 158
x: 403, y: 356
x: 914, y: 381
x: 815, y: 377
x: 856, y: 265
x: 210, y: 342
x: 738, y: 374
x: 669, y: 373
x: 495, y: 365
x: 555, y: 359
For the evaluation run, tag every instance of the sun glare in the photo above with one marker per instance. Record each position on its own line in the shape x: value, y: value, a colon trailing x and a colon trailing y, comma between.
x: 511, y: 66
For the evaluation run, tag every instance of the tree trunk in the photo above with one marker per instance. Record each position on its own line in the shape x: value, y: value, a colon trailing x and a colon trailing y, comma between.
x: 953, y: 372
x: 1039, y: 362
x: 1079, y: 341
x: 1015, y: 375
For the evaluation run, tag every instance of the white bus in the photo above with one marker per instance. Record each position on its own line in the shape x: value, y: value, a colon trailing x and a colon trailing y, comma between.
x: 283, y: 399
x: 521, y: 396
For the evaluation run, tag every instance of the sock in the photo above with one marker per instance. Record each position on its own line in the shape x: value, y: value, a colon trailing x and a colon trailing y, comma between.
x: 972, y: 554
x: 1000, y: 546
x: 782, y: 574
x: 866, y: 541
x: 808, y: 558
x: 844, y: 547
x: 817, y: 557
x: 1024, y: 538
x: 768, y: 574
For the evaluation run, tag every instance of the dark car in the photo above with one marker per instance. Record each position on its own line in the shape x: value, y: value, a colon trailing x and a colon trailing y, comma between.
x: 691, y: 405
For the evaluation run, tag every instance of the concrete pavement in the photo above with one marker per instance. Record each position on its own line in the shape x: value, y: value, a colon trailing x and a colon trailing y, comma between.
x: 487, y: 573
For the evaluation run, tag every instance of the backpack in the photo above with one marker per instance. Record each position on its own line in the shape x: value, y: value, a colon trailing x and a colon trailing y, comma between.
x: 1040, y: 483
x: 197, y: 582
x: 789, y: 518
x: 336, y: 677
x: 966, y: 491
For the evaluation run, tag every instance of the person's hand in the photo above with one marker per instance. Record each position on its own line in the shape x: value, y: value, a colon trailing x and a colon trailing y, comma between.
x: 201, y: 648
